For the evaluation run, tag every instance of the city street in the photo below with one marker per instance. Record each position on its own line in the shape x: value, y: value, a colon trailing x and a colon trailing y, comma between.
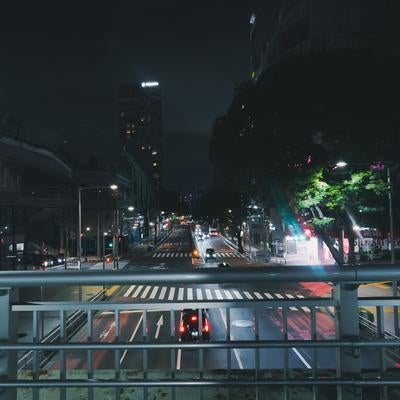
x: 175, y: 253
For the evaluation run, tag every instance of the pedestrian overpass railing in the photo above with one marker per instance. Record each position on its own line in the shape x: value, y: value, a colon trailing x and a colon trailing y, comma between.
x: 346, y: 364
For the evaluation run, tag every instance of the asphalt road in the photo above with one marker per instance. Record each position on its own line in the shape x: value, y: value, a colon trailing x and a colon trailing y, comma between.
x: 175, y: 252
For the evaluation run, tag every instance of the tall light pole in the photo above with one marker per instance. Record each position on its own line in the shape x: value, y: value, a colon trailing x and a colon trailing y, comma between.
x: 389, y: 183
x: 342, y: 164
x: 79, y: 237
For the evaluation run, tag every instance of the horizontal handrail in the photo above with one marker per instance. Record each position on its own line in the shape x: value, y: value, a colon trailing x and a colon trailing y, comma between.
x: 107, y: 383
x: 233, y: 344
x: 349, y: 274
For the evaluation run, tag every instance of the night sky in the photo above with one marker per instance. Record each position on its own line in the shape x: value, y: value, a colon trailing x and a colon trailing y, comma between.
x: 62, y: 63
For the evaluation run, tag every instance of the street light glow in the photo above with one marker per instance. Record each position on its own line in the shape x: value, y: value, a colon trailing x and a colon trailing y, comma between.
x: 114, y: 187
x: 341, y: 164
x: 131, y: 208
x: 88, y: 229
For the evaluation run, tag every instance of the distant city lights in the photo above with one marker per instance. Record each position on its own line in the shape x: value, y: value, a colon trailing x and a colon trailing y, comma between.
x: 150, y: 84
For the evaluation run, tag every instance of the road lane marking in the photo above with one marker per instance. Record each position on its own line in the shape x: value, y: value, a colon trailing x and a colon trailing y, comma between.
x: 129, y: 291
x: 279, y: 296
x: 153, y: 293
x: 218, y: 294
x: 179, y: 353
x: 180, y: 294
x: 168, y: 254
x: 190, y: 294
x: 208, y: 294
x: 162, y: 293
x: 248, y: 295
x: 137, y: 291
x: 145, y: 291
x: 228, y: 294
x: 238, y: 295
x: 306, y: 309
x: 302, y: 359
x: 199, y: 294
x: 171, y: 294
x: 131, y: 339
x: 235, y: 351
x: 258, y: 295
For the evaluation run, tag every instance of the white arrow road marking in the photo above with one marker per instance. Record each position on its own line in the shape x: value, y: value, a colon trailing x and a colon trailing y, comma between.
x: 235, y: 351
x: 104, y: 334
x: 160, y: 323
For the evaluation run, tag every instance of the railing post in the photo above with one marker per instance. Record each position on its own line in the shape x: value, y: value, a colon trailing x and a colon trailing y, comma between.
x: 8, y: 360
x: 347, y: 328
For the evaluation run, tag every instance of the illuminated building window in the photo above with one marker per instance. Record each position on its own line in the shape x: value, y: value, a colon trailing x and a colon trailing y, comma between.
x: 154, y: 164
x: 143, y: 147
x: 142, y: 119
x: 149, y: 147
x: 154, y: 152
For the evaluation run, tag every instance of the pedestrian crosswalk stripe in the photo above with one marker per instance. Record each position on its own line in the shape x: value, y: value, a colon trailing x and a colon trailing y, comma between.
x: 190, y: 294
x: 306, y: 309
x: 162, y: 293
x: 258, y: 295
x: 180, y: 294
x: 145, y: 291
x: 153, y: 293
x: 248, y: 295
x: 218, y: 294
x: 171, y: 294
x: 228, y: 294
x: 237, y: 294
x: 182, y: 255
x: 199, y: 294
x: 269, y: 295
x: 137, y: 291
x: 279, y: 296
x: 167, y: 255
x: 208, y: 294
x: 155, y: 255
x: 129, y: 291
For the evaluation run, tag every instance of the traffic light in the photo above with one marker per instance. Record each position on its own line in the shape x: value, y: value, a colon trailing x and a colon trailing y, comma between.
x: 110, y: 245
x: 108, y: 260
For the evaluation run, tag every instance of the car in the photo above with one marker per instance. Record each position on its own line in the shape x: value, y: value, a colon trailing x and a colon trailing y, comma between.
x: 223, y: 265
x: 189, y: 325
x: 210, y: 254
x: 201, y: 237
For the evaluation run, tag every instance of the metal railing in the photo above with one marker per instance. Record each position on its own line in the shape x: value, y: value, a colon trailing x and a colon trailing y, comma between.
x: 267, y: 367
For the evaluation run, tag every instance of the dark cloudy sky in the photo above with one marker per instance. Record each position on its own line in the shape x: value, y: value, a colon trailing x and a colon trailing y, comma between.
x: 62, y: 62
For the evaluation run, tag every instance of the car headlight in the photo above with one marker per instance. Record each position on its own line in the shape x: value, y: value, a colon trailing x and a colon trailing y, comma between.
x: 59, y: 260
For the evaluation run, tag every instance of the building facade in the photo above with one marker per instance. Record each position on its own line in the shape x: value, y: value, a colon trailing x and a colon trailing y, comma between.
x: 280, y: 29
x: 141, y: 126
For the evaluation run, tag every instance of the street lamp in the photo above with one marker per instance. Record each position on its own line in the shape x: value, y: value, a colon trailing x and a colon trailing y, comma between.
x: 342, y: 164
x: 79, y: 238
x: 131, y: 208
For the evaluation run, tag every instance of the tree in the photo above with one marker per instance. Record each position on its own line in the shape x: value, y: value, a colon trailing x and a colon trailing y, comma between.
x: 333, y: 201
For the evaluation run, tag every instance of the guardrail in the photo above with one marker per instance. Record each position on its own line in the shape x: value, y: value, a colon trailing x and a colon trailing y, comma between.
x: 346, y: 376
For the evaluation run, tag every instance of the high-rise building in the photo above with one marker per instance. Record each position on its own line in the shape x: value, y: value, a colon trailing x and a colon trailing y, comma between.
x: 280, y: 29
x: 141, y: 126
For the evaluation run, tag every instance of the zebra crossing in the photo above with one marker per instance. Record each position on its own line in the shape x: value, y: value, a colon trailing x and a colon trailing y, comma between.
x: 172, y: 293
x: 180, y: 254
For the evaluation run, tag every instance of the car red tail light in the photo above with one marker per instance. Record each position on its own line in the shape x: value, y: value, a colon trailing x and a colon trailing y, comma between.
x: 194, y: 318
x: 206, y: 327
x: 182, y: 328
